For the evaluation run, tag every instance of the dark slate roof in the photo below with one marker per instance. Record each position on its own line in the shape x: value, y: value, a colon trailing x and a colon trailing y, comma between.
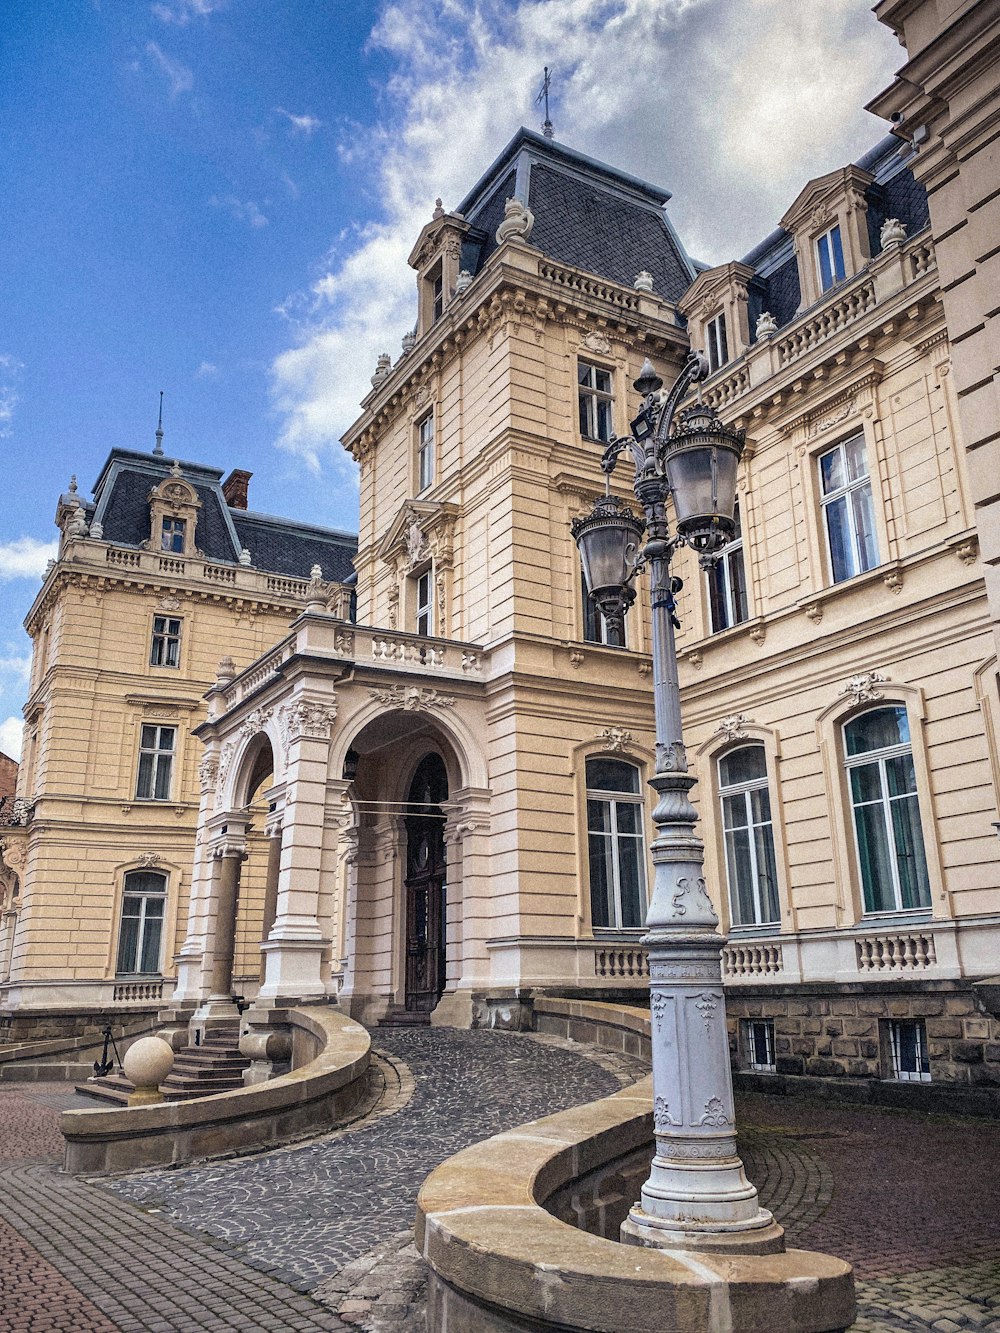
x: 293, y: 548
x: 893, y: 194
x: 587, y: 214
x: 276, y: 545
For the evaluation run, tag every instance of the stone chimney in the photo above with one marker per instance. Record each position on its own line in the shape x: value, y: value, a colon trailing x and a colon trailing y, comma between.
x: 235, y: 487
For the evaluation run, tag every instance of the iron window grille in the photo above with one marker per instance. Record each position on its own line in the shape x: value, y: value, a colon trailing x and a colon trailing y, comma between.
x: 749, y: 838
x: 888, y: 834
x: 758, y: 1044
x: 616, y: 844
x: 595, y: 400
x: 156, y: 759
x: 166, y: 646
x: 908, y: 1044
x: 830, y: 252
x: 848, y: 513
x: 140, y: 933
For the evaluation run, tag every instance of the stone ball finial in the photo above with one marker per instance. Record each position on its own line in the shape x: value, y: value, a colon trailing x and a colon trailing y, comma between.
x: 643, y: 282
x: 518, y: 221
x: 147, y: 1063
x: 96, y: 530
x: 226, y: 670
x: 463, y: 281
x: 316, y: 574
x: 382, y: 368
x: 766, y: 325
x: 408, y: 341
x: 438, y: 208
x: 893, y: 233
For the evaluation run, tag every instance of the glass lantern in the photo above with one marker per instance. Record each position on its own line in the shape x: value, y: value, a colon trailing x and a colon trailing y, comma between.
x: 609, y: 543
x: 700, y: 459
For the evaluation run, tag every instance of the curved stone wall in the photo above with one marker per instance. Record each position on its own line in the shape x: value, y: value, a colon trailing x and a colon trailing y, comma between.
x: 323, y: 1090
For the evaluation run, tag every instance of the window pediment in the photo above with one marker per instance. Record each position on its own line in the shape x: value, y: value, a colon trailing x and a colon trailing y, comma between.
x: 421, y: 532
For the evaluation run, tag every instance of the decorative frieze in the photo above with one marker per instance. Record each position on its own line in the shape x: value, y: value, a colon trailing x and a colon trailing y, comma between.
x: 306, y: 719
x: 412, y: 698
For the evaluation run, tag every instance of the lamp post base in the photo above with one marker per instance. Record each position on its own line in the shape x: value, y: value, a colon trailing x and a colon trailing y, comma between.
x: 757, y: 1235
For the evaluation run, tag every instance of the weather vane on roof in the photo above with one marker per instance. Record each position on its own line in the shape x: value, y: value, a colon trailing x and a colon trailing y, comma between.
x: 543, y: 96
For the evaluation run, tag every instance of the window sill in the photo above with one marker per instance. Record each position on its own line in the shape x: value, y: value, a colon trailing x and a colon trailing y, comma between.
x: 913, y: 917
x: 763, y: 931
x: 626, y: 934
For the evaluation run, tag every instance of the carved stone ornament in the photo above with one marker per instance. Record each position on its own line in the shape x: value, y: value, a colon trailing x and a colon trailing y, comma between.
x: 661, y: 1115
x: 715, y: 1114
x: 696, y: 658
x: 758, y: 633
x: 694, y: 894
x: 643, y: 282
x: 893, y: 579
x: 225, y: 759
x: 575, y: 658
x: 169, y: 604
x: 731, y: 727
x: 15, y: 854
x: 814, y: 612
x: 208, y: 772
x: 658, y: 1005
x: 149, y: 859
x: 597, y: 342
x: 411, y: 698
x: 307, y: 718
x: 417, y: 548
x: 893, y: 233
x: 835, y: 418
x: 518, y: 221
x: 671, y: 758
x: 254, y: 722
x: 861, y: 688
x: 707, y: 1005
x: 382, y: 368
x: 463, y: 282
x: 616, y: 739
x: 968, y: 551
x: 766, y: 325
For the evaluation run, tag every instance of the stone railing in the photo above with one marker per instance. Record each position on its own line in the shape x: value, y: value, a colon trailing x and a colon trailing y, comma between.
x: 895, y: 953
x: 134, y: 992
x: 720, y: 394
x: 583, y: 285
x: 244, y: 578
x: 922, y: 258
x: 826, y: 322
x: 741, y: 961
x: 621, y: 961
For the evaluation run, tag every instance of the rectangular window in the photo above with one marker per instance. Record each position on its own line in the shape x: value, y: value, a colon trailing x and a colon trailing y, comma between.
x: 425, y: 453
x: 594, y: 389
x: 172, y: 535
x: 156, y: 758
x: 830, y: 252
x: 437, y: 293
x: 758, y: 1044
x: 727, y: 584
x: 848, y: 512
x: 716, y: 346
x: 616, y: 845
x: 425, y: 603
x: 595, y: 627
x: 141, y: 924
x: 751, y: 868
x: 166, y: 646
x: 908, y: 1046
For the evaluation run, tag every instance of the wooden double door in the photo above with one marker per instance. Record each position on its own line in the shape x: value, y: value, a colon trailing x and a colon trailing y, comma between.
x: 426, y: 887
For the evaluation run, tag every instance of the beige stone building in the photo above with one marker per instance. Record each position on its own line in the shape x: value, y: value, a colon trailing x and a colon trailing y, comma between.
x: 452, y: 786
x: 157, y: 577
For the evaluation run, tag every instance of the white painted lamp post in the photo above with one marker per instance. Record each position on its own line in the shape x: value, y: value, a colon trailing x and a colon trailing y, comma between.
x: 697, y: 1195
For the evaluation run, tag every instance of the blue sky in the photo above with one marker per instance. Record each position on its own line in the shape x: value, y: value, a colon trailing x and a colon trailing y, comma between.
x: 216, y: 198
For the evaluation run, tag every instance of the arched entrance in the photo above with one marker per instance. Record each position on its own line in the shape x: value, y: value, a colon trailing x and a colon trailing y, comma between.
x: 425, y: 886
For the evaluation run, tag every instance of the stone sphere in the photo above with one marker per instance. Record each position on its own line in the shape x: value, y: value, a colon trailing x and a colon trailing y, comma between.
x: 148, y: 1061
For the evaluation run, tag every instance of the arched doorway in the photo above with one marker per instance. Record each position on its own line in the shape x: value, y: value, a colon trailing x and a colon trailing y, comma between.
x: 425, y: 886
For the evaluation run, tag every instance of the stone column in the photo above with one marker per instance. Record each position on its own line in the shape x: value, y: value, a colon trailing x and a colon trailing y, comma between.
x: 295, y: 945
x: 270, y: 890
x: 468, y: 903
x: 192, y: 964
x: 230, y: 863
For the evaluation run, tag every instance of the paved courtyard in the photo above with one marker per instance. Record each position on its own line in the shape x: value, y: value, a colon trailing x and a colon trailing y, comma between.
x: 318, y: 1236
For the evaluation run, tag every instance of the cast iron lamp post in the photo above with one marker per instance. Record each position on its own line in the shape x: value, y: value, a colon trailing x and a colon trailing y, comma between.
x: 697, y: 1195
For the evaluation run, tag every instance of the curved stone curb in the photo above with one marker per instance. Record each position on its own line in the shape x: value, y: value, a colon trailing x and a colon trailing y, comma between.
x: 311, y: 1098
x: 499, y: 1261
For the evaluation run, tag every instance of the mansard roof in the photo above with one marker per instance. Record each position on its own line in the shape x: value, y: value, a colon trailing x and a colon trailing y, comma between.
x: 892, y: 193
x: 586, y: 214
x: 276, y: 545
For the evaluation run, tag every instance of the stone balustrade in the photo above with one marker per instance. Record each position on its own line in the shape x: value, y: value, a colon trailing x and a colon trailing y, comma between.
x: 242, y: 579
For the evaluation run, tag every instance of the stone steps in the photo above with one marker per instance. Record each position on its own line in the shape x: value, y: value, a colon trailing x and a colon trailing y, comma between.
x: 199, y: 1071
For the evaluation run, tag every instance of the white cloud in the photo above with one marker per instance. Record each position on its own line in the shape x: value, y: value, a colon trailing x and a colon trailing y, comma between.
x: 181, y: 12
x: 10, y: 370
x: 179, y: 77
x: 206, y: 371
x: 247, y: 212
x: 26, y: 557
x: 11, y: 737
x: 732, y: 104
x: 18, y: 668
x: 304, y: 124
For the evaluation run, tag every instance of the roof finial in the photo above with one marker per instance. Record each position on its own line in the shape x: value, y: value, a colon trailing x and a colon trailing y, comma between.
x: 159, y: 430
x: 543, y: 96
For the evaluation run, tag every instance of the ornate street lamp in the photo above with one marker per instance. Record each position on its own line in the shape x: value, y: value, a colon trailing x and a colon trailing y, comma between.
x: 697, y: 1195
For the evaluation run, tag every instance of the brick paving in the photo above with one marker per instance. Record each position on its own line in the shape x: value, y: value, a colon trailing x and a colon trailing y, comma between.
x: 317, y: 1236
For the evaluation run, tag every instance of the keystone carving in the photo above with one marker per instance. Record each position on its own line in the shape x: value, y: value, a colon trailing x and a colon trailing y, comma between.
x: 861, y: 688
x: 731, y: 727
x: 616, y: 739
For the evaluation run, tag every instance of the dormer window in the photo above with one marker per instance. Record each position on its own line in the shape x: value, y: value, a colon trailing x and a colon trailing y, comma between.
x: 716, y: 346
x: 830, y: 252
x: 437, y: 294
x: 172, y: 535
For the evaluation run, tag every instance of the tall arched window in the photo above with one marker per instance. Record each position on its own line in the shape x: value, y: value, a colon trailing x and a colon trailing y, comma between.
x: 616, y: 844
x: 746, y: 821
x: 145, y: 894
x: 883, y: 784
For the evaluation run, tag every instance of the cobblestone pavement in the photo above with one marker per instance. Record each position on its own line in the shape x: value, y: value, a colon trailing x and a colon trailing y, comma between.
x: 318, y: 1236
